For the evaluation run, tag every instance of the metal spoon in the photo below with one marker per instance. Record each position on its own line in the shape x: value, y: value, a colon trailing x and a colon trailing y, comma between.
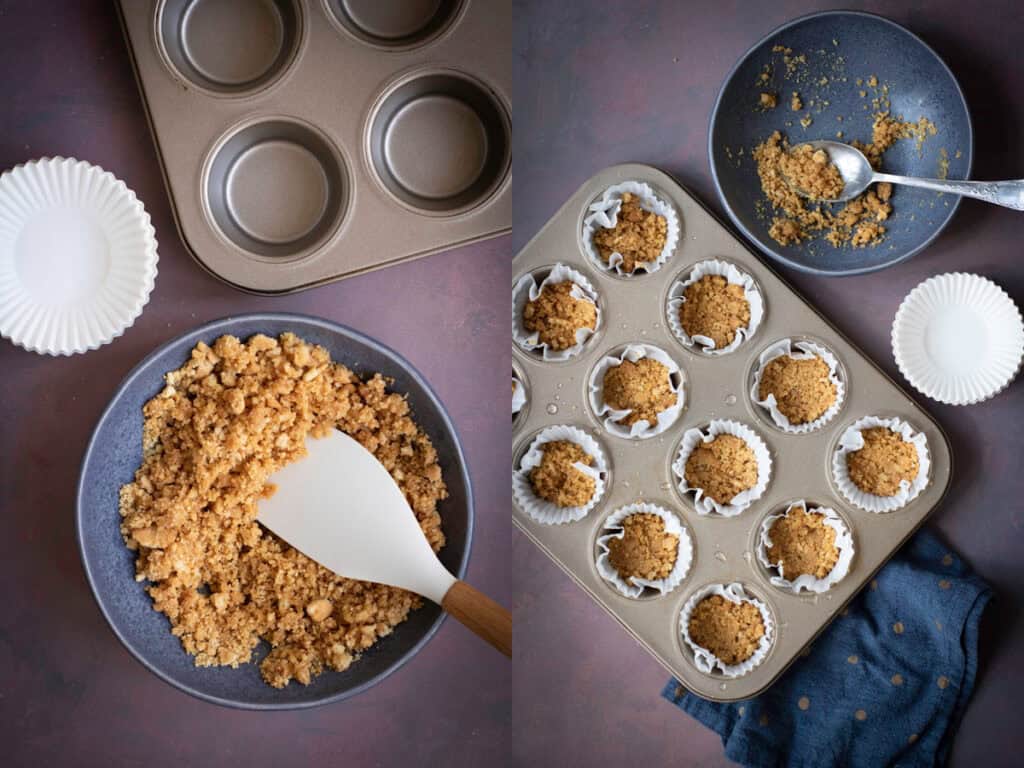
x: 858, y: 174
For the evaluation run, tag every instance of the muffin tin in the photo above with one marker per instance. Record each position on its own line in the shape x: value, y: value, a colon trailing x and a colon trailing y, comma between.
x: 634, y: 311
x: 303, y: 141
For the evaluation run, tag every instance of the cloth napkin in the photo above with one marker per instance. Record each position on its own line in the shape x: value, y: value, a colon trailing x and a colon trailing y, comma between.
x: 886, y: 684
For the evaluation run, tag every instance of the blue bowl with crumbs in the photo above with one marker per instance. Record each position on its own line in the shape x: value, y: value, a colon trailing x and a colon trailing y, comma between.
x: 898, y: 72
x: 115, y: 452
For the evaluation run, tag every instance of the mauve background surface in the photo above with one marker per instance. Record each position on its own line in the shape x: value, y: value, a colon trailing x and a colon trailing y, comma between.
x: 602, y: 83
x: 69, y: 693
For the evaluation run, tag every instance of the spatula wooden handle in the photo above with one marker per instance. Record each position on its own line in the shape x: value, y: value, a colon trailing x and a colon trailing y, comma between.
x: 476, y: 611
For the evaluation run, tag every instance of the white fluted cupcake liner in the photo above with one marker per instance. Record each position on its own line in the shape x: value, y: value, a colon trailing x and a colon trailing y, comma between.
x: 805, y: 581
x: 705, y: 505
x: 527, y: 290
x: 604, y: 215
x: 732, y: 274
x: 611, y: 417
x: 544, y: 511
x: 704, y: 659
x: 852, y: 440
x: 804, y: 350
x: 78, y: 256
x: 518, y: 394
x: 958, y: 338
x: 635, y: 586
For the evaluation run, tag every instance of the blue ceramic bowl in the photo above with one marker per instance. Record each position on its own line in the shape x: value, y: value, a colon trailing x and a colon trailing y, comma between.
x: 920, y: 84
x: 115, y: 452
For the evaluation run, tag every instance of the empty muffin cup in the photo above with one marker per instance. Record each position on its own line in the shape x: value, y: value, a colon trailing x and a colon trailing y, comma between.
x: 276, y: 188
x: 228, y: 47
x: 391, y: 25
x: 439, y: 142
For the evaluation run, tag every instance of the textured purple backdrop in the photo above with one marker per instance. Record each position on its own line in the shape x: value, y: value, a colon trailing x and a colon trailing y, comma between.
x: 69, y: 694
x: 602, y: 83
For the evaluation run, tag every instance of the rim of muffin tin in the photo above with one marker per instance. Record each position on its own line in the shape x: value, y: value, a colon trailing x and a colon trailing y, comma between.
x: 446, y: 18
x: 593, y: 341
x: 524, y: 413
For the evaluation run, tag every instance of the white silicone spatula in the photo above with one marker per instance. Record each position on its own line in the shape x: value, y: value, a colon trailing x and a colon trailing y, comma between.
x: 340, y: 507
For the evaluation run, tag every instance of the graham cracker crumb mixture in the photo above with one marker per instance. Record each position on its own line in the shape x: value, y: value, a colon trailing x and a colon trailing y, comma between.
x: 731, y: 631
x: 715, y: 308
x: 884, y: 461
x: 646, y: 550
x: 225, y: 421
x: 555, y: 315
x: 556, y: 480
x: 638, y: 235
x: 794, y: 102
x: 811, y: 171
x: 803, y: 544
x: 769, y: 100
x: 722, y: 468
x: 802, y: 388
x: 644, y: 388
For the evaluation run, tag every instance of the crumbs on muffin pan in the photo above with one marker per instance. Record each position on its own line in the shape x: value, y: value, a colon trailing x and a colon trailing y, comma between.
x: 557, y: 480
x: 885, y: 460
x: 714, y: 308
x: 639, y: 236
x: 722, y: 468
x: 555, y: 315
x: 731, y: 631
x: 646, y: 550
x: 644, y: 388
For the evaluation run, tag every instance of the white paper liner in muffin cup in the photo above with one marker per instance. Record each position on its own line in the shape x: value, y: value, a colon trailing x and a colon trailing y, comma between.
x: 704, y: 659
x: 732, y: 274
x: 546, y: 512
x: 800, y: 350
x: 805, y: 581
x: 705, y: 505
x: 518, y: 395
x: 852, y: 440
x: 635, y: 586
x: 958, y: 338
x: 78, y: 256
x: 610, y: 417
x: 604, y: 214
x: 527, y: 290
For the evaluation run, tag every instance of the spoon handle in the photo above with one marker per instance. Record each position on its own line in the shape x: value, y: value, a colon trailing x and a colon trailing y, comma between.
x: 478, y: 613
x: 1009, y: 194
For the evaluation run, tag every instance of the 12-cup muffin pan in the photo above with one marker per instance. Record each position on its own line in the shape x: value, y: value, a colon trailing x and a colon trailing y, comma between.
x: 303, y: 141
x: 633, y: 310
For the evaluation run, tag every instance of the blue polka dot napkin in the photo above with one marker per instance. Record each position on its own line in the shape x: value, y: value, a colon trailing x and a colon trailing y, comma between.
x: 885, y: 685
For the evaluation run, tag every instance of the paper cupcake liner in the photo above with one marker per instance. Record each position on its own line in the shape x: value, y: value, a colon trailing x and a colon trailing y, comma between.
x: 527, y: 290
x: 635, y: 586
x: 611, y: 416
x: 806, y: 351
x: 705, y: 505
x: 724, y: 269
x: 518, y: 394
x: 604, y: 215
x: 77, y: 256
x: 805, y: 581
x: 704, y: 659
x: 544, y: 511
x: 852, y: 440
x: 958, y: 338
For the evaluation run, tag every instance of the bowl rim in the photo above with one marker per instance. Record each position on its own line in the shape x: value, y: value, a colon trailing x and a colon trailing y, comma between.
x: 224, y: 324
x: 771, y: 252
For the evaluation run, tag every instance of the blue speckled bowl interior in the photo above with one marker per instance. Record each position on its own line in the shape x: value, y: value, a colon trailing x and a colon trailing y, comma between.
x: 114, y: 454
x: 919, y: 83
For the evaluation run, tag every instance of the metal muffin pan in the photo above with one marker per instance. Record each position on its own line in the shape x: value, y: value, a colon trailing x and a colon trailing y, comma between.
x: 303, y: 141
x: 634, y: 310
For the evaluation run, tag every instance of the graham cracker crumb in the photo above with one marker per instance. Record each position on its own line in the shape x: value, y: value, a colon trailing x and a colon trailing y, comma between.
x: 646, y: 550
x: 803, y: 544
x: 731, y: 631
x: 555, y: 316
x: 638, y: 235
x: 715, y: 308
x: 722, y: 468
x: 885, y: 460
x: 802, y: 388
x: 769, y: 100
x: 811, y: 171
x: 643, y: 387
x: 794, y: 102
x: 556, y: 480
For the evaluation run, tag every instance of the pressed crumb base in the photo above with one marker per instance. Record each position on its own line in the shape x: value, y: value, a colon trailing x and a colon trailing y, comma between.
x: 644, y: 388
x: 722, y: 468
x: 802, y: 388
x: 812, y: 172
x: 638, y: 235
x: 646, y: 550
x: 226, y: 420
x: 556, y: 480
x: 731, y: 631
x: 803, y: 544
x: 715, y: 308
x: 885, y: 460
x: 555, y: 316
